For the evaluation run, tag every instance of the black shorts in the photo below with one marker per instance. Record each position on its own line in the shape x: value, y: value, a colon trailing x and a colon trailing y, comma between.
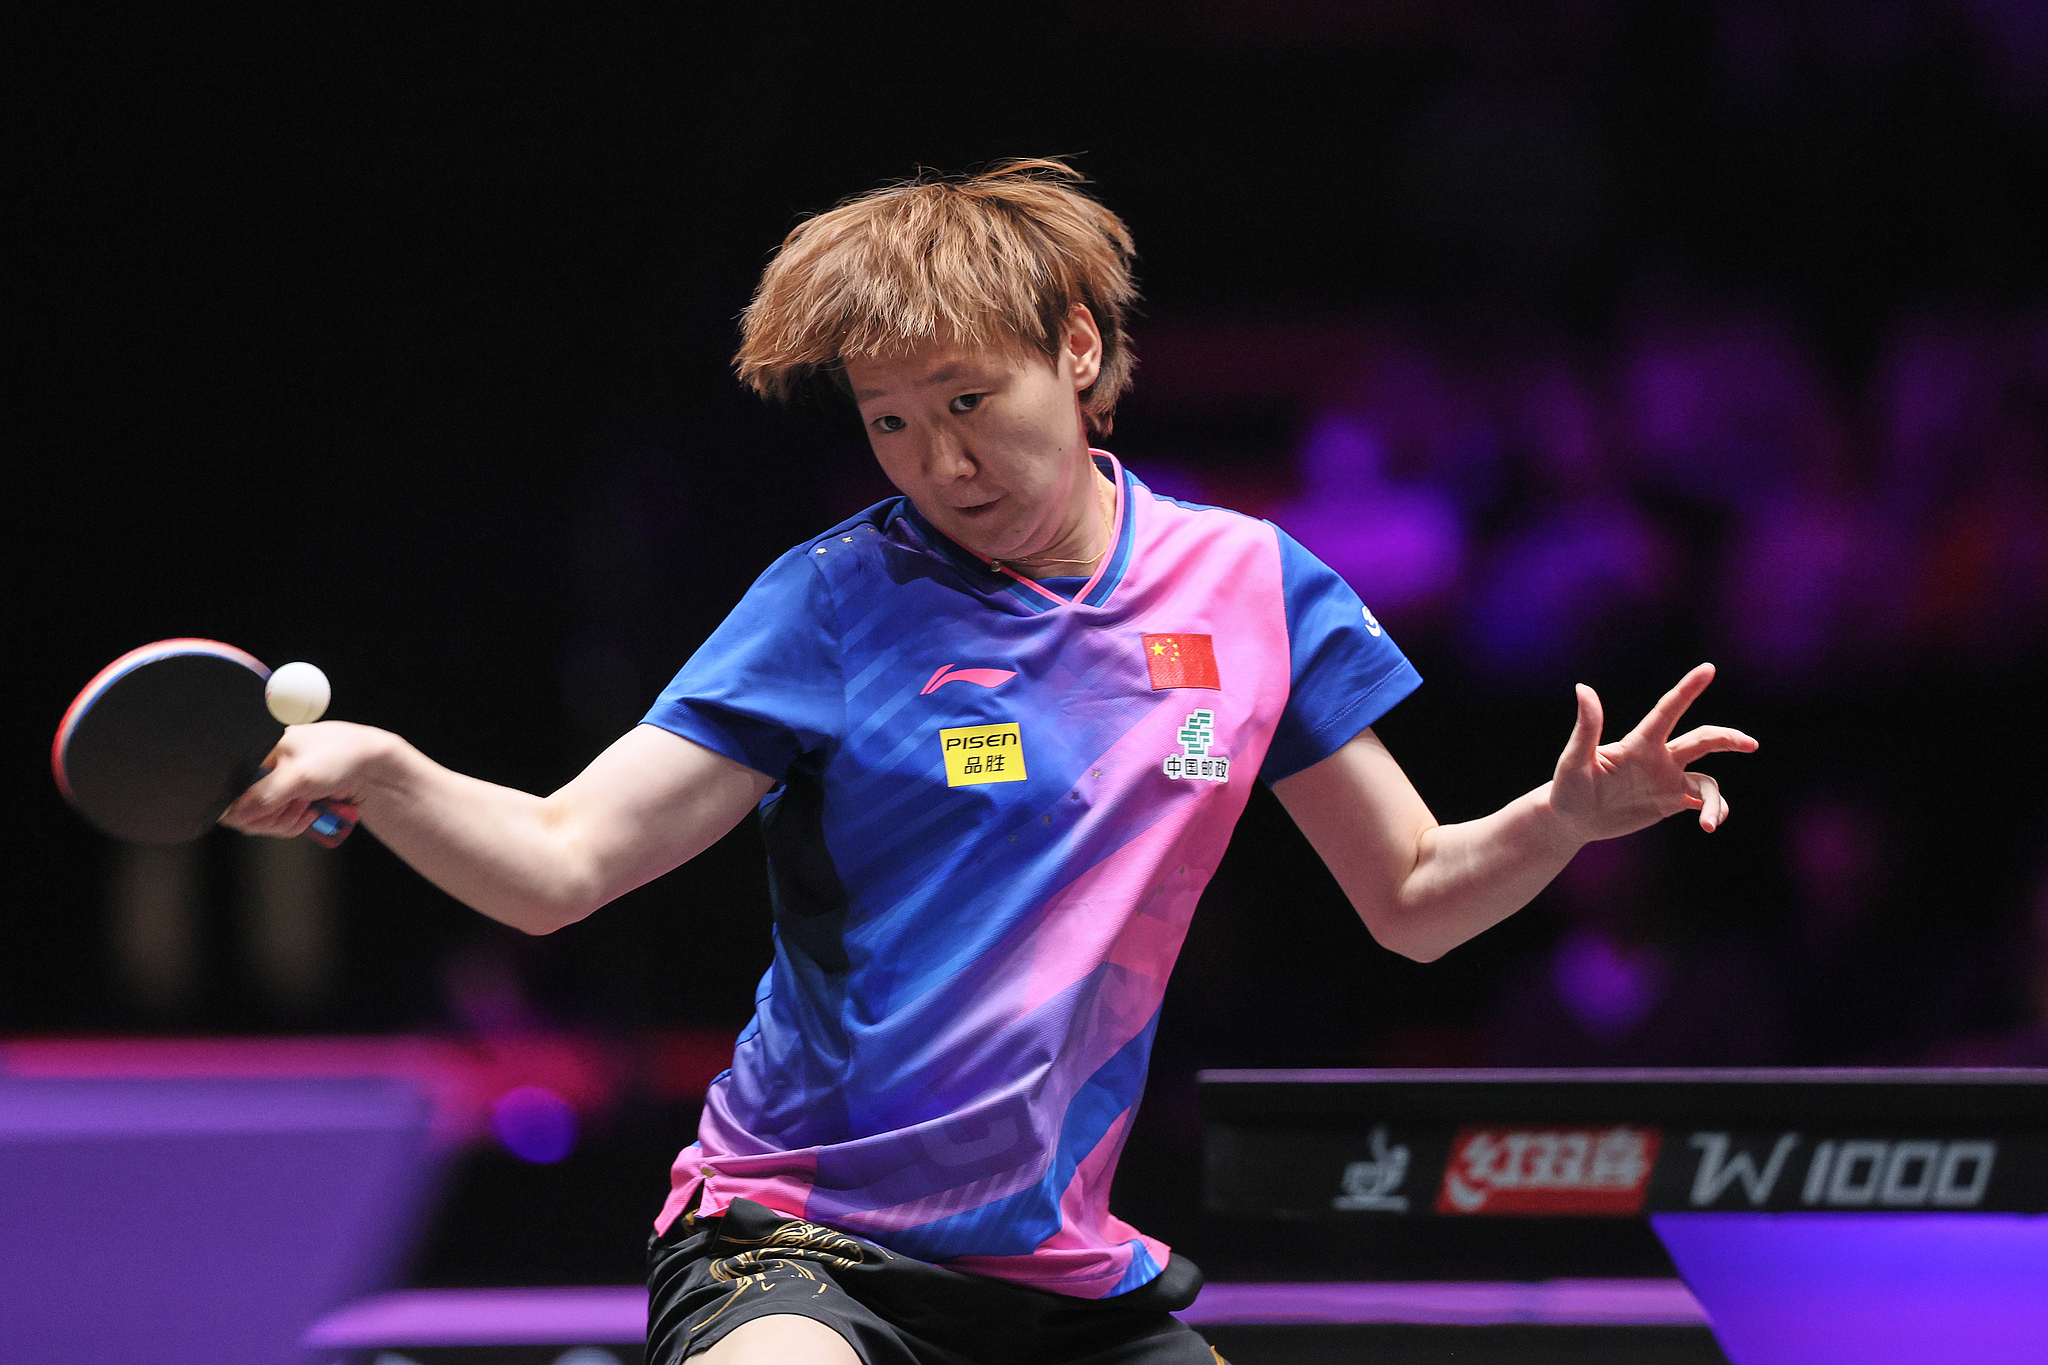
x: 707, y: 1276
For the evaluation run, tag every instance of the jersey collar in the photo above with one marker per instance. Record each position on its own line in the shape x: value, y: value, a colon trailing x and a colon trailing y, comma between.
x: 1028, y: 593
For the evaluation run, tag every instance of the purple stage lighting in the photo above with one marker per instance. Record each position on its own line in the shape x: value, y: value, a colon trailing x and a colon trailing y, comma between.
x: 534, y: 1123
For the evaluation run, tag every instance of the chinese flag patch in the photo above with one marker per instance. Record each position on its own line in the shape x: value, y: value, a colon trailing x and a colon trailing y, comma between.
x: 1181, y: 661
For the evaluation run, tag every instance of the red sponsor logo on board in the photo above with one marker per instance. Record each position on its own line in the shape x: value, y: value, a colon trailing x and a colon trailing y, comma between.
x: 1537, y: 1169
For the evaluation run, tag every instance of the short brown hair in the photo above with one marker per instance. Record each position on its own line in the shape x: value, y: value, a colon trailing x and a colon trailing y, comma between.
x: 992, y: 259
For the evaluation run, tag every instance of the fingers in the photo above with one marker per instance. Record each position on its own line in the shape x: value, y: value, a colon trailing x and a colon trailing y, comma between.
x: 1709, y: 739
x: 279, y: 803
x: 1663, y: 717
x: 282, y: 820
x: 1703, y: 793
x: 264, y: 798
x: 264, y: 793
x: 1578, y: 750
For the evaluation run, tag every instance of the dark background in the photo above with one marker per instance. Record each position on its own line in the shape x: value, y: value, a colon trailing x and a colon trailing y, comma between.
x: 400, y: 343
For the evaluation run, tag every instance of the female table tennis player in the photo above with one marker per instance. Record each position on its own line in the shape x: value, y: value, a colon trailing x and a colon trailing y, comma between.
x: 998, y: 730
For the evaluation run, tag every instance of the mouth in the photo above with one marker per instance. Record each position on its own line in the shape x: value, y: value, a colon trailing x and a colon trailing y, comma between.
x: 978, y: 512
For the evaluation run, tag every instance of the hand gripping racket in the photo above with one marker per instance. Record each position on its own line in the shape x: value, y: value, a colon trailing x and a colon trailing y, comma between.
x: 164, y: 739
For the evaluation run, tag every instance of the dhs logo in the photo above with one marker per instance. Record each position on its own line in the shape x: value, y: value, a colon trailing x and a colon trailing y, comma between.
x: 1546, y: 1170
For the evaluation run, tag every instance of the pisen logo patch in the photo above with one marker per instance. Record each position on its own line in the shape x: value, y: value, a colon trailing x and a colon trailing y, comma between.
x: 982, y: 753
x: 1548, y: 1170
x: 1181, y: 661
x: 1195, y: 762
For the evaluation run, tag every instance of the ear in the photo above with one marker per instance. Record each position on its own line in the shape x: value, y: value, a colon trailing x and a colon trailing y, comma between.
x: 1081, y: 348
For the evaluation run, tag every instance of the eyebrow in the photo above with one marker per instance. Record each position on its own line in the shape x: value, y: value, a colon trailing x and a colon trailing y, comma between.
x: 943, y: 375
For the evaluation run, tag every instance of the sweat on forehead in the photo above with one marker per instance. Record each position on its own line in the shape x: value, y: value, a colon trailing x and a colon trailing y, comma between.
x: 994, y: 261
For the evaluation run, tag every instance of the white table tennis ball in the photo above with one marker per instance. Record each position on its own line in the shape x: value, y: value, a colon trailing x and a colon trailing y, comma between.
x: 297, y: 694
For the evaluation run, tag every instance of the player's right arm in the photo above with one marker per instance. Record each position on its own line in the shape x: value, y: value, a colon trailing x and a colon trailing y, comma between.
x: 649, y: 803
x: 763, y: 689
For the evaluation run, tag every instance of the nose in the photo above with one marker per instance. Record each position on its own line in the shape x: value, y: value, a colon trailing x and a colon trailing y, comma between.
x: 947, y: 459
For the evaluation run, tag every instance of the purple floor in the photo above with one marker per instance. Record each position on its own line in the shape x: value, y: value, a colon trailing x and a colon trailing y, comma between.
x: 497, y: 1317
x: 188, y: 1222
x: 1603, y: 1303
x: 486, y: 1317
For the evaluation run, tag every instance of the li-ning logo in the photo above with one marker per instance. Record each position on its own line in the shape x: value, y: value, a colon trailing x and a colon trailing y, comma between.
x: 1195, y: 762
x: 1548, y: 1170
x: 980, y: 677
x: 1369, y: 1185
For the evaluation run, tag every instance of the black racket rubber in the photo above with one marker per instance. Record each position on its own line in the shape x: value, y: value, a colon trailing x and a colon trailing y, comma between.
x: 161, y: 743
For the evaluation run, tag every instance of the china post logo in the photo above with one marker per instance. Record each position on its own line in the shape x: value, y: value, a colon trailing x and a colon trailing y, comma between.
x: 982, y: 753
x: 1196, y: 734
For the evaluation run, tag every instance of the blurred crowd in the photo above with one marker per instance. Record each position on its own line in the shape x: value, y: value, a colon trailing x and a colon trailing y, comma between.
x: 1547, y: 510
x: 1525, y: 516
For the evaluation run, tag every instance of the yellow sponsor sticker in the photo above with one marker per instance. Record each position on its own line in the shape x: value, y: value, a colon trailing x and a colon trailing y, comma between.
x: 982, y: 753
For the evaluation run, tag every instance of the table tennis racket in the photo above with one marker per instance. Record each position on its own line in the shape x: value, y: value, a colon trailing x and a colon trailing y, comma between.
x: 164, y: 739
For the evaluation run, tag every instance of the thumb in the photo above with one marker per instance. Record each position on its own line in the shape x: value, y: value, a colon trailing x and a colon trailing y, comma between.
x: 1578, y: 750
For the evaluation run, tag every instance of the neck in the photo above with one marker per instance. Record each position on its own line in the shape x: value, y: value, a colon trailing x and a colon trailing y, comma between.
x: 1090, y: 534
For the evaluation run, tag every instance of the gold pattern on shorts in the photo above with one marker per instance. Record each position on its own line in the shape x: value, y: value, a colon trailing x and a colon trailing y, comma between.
x: 739, y: 1290
x: 789, y: 1245
x: 784, y: 1249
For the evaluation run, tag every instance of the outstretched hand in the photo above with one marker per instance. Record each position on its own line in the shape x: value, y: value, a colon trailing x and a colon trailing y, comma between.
x: 1606, y: 790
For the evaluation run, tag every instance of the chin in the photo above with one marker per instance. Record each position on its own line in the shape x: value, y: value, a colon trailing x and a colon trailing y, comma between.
x: 976, y: 540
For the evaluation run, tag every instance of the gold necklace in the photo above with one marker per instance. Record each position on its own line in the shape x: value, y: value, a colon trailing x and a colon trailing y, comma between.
x: 1109, y: 512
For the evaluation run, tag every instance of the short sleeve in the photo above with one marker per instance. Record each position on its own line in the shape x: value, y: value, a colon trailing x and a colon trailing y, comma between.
x: 765, y: 688
x: 1345, y: 671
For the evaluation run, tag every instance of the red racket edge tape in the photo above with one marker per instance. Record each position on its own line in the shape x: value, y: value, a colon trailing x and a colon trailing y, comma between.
x: 336, y: 821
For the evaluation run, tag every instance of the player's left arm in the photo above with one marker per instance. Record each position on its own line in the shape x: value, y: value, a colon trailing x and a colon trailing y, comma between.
x: 1423, y: 888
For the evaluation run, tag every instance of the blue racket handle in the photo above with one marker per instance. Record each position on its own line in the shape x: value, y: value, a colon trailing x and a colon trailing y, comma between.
x: 330, y: 826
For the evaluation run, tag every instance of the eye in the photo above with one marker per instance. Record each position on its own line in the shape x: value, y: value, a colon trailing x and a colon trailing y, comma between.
x: 966, y: 402
x: 888, y: 423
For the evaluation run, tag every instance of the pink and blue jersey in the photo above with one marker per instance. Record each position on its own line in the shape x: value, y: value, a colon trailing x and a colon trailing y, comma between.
x: 996, y: 805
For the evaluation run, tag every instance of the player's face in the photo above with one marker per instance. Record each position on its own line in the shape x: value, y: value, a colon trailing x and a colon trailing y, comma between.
x: 990, y: 445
